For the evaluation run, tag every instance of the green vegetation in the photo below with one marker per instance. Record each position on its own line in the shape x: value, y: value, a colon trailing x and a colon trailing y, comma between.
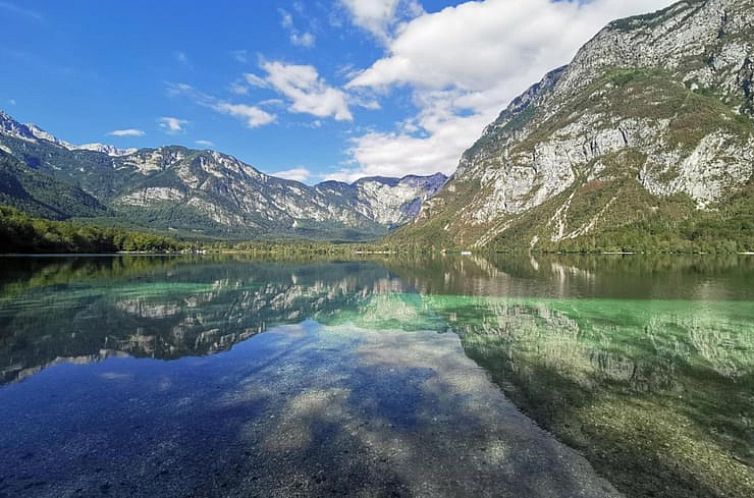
x: 439, y: 229
x: 20, y: 233
x: 652, y: 19
x: 42, y: 195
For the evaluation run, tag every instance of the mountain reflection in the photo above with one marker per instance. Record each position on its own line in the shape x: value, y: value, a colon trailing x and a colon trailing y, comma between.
x: 167, y: 308
x: 165, y: 311
x: 644, y: 365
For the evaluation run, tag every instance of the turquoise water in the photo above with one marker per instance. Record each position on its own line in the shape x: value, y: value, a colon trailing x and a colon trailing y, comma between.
x: 139, y: 376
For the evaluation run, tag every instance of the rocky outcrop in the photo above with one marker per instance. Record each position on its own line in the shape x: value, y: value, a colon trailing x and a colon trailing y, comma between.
x: 663, y: 99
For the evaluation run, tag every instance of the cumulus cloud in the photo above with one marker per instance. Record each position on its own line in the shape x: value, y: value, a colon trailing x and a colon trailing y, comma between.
x: 205, y: 143
x: 428, y: 143
x: 381, y: 17
x: 172, y: 126
x: 126, y: 132
x: 295, y: 174
x: 307, y: 92
x: 462, y: 78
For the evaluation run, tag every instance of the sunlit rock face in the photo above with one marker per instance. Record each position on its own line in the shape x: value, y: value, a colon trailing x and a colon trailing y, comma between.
x: 662, y: 100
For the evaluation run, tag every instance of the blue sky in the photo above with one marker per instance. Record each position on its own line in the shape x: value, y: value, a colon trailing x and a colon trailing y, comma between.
x: 312, y: 89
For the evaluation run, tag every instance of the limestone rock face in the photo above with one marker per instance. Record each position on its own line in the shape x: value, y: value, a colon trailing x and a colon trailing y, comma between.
x: 664, y: 100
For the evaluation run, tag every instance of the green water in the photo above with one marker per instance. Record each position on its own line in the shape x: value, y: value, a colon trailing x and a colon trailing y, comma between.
x: 408, y: 377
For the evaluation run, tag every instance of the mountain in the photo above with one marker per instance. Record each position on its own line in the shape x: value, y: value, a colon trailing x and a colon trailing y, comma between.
x: 105, y: 149
x: 210, y: 193
x: 43, y: 195
x: 386, y: 201
x: 186, y: 185
x: 33, y: 133
x: 289, y: 292
x: 644, y: 141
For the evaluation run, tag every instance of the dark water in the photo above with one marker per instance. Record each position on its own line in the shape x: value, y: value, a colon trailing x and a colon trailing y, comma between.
x: 138, y: 376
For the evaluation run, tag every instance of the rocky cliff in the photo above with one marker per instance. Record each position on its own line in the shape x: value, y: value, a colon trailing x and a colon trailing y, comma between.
x: 650, y: 125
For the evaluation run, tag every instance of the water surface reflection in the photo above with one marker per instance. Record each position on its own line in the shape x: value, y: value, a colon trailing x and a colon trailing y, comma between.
x: 373, y: 377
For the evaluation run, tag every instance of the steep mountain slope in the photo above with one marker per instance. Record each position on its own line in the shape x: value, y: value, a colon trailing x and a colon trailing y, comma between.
x: 43, y: 195
x: 648, y: 131
x: 215, y: 194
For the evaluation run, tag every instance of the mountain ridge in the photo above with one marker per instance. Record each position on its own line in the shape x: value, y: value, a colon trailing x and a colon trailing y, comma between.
x: 210, y: 193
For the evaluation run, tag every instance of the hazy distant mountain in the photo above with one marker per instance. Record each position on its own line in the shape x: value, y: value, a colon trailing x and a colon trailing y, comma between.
x: 647, y: 137
x: 213, y: 193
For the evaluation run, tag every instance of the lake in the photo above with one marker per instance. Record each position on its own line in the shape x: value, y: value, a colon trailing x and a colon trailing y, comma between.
x: 445, y: 376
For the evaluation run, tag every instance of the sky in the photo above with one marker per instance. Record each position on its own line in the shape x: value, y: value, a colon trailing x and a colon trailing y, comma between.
x: 308, y: 90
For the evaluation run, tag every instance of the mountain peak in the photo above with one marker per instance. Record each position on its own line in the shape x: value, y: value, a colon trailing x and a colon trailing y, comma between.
x: 41, y: 134
x: 30, y: 132
x: 106, y: 149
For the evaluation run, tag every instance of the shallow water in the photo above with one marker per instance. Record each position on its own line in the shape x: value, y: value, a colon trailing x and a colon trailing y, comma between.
x: 132, y: 376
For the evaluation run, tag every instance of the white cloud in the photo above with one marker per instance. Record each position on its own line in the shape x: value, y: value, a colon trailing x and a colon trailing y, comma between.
x: 205, y: 143
x: 305, y: 39
x: 381, y: 17
x: 299, y: 39
x: 295, y: 174
x: 253, y: 116
x: 239, y: 88
x: 254, y: 80
x: 426, y: 144
x: 307, y: 92
x: 461, y: 78
x: 508, y: 38
x: 272, y: 103
x: 126, y: 132
x: 172, y: 126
